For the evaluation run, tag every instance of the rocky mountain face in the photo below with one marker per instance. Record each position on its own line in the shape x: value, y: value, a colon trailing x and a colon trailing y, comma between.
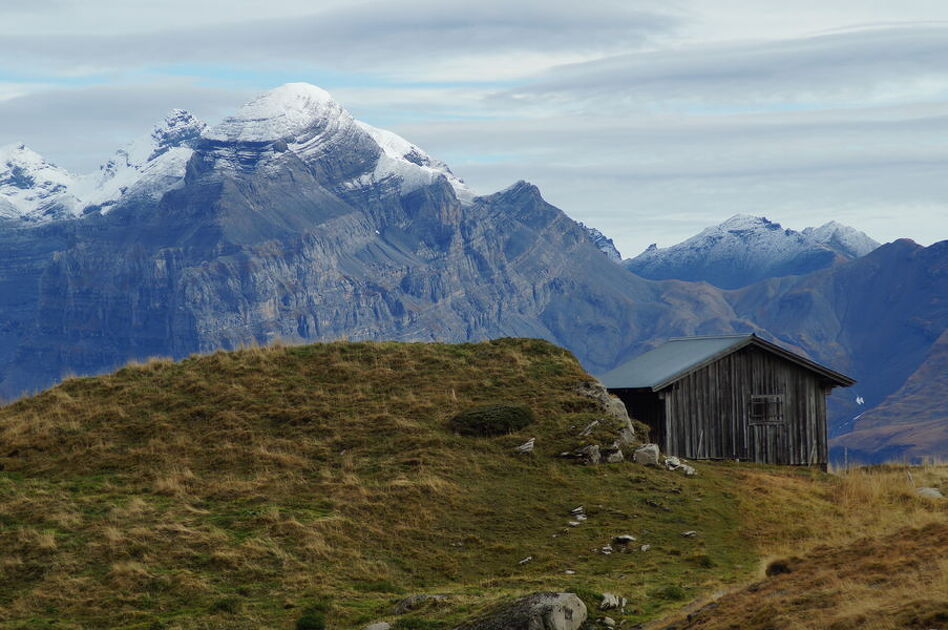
x: 746, y: 249
x: 293, y: 221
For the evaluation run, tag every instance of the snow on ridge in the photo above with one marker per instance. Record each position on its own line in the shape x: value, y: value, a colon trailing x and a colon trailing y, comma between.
x: 410, y: 162
x: 603, y: 242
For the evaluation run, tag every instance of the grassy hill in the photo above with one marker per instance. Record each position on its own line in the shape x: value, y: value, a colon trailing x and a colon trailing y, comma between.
x: 240, y: 489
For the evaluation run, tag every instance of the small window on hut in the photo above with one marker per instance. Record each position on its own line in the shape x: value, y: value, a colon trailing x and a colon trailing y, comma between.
x: 766, y: 409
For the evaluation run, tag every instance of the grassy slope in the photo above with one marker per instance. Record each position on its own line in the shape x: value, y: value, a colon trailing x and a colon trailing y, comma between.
x: 235, y: 489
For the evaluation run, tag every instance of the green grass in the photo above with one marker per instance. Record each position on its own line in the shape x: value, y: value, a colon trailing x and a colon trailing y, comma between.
x: 241, y: 489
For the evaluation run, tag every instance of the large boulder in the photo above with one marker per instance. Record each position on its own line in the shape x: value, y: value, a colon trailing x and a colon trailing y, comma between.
x: 930, y: 493
x: 539, y: 611
x: 647, y: 455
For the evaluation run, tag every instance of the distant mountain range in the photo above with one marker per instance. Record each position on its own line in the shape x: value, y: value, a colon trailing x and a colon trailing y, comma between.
x: 746, y: 249
x: 291, y: 220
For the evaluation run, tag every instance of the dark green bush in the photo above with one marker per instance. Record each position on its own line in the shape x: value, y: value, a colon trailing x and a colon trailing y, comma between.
x: 490, y: 420
x: 227, y: 604
x: 312, y: 619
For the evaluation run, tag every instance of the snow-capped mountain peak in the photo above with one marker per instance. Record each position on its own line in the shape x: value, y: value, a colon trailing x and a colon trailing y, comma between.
x: 151, y: 164
x: 282, y: 113
x: 845, y: 239
x: 747, y: 248
x: 29, y: 182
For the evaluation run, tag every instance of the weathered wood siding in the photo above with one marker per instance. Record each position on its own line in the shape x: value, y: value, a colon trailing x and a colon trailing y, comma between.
x: 708, y: 412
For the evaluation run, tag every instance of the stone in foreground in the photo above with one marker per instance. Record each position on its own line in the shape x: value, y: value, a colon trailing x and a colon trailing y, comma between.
x: 647, y: 455
x: 539, y: 611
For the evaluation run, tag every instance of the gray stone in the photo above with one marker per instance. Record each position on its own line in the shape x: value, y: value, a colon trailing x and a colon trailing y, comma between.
x: 414, y: 602
x: 624, y: 539
x: 672, y: 463
x: 609, y: 622
x: 647, y: 455
x: 930, y: 493
x: 526, y: 447
x: 540, y: 611
x: 613, y: 455
x: 688, y: 470
x: 690, y: 533
x: 382, y: 625
x: 611, y: 601
x: 589, y: 454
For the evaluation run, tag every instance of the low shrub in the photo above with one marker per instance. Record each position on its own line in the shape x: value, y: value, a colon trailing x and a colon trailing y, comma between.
x: 489, y: 420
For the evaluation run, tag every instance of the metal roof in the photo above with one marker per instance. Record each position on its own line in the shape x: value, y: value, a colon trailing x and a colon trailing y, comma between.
x: 680, y: 356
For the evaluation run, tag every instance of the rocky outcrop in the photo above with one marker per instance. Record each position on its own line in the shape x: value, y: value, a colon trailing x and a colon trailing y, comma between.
x: 540, y: 611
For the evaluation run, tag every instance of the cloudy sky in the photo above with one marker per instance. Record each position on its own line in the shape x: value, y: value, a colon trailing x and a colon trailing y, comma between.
x: 649, y: 120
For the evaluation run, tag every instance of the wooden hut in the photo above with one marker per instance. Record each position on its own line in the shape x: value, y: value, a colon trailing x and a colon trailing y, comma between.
x: 729, y: 397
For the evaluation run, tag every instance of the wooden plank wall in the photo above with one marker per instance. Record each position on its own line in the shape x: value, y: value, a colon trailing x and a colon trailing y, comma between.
x: 709, y: 411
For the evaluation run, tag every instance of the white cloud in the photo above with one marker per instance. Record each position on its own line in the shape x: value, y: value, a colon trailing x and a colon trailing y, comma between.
x: 647, y: 119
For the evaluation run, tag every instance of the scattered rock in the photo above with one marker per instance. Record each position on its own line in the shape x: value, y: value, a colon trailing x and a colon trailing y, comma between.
x: 574, y: 523
x: 589, y: 428
x: 540, y: 611
x: 608, y: 622
x: 382, y: 625
x: 672, y: 463
x: 577, y: 510
x: 611, y: 601
x: 526, y: 447
x: 414, y: 602
x: 645, y: 547
x: 526, y: 560
x: 624, y: 539
x: 647, y: 455
x: 589, y: 454
x: 690, y: 533
x: 613, y: 454
x: 688, y: 470
x: 569, y: 572
x: 930, y: 493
